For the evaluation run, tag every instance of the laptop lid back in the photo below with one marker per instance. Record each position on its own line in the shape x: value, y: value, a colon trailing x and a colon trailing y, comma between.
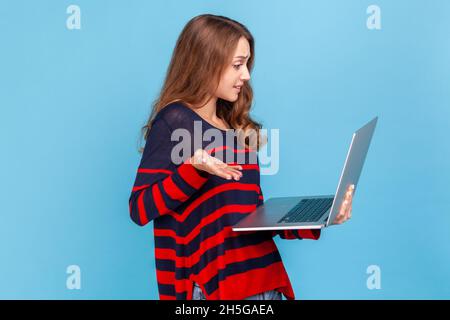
x: 353, y: 165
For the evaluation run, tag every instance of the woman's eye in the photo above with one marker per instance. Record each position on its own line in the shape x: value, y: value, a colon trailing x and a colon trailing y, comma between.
x: 237, y: 66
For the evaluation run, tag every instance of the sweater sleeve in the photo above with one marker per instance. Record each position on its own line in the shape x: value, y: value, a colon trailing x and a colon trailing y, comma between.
x: 161, y: 186
x: 313, y: 234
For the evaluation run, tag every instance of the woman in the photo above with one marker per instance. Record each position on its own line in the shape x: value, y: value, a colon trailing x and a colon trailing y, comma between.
x: 194, y: 202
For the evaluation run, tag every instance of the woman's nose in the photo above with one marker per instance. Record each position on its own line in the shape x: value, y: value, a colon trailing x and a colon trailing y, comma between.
x: 245, y: 76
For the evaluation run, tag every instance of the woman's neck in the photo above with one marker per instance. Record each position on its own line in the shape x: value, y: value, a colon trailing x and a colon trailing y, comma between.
x: 208, y: 111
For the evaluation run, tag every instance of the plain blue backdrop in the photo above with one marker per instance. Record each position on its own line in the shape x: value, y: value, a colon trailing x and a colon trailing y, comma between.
x: 73, y: 102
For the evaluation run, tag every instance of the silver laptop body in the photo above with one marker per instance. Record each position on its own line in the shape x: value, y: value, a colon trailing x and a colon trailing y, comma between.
x: 312, y: 212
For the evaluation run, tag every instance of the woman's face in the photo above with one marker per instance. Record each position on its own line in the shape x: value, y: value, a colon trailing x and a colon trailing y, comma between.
x: 236, y: 73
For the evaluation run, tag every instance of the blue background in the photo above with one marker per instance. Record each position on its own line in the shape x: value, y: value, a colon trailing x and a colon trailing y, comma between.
x: 73, y: 102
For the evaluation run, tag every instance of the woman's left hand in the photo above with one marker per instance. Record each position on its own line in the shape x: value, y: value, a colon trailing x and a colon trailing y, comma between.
x: 345, y: 212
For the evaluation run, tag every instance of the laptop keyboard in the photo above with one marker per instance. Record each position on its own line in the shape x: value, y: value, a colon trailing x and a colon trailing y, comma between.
x: 308, y: 210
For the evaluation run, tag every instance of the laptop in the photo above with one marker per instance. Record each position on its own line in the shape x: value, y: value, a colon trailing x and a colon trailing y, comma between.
x: 312, y: 212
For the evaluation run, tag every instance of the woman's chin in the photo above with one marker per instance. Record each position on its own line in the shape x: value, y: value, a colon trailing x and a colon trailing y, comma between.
x: 234, y: 97
x: 231, y: 98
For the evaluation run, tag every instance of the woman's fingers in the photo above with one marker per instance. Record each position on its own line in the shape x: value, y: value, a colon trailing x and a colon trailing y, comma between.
x: 235, y: 166
x: 216, y: 166
x: 342, y: 214
x: 350, y: 201
x: 338, y: 219
x: 347, y: 208
x: 225, y: 173
x: 229, y: 173
x: 347, y: 203
x: 238, y: 172
x: 345, y: 211
x: 351, y: 189
x: 235, y: 173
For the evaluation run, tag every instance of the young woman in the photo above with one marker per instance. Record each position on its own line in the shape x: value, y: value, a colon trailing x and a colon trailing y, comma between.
x: 195, y: 201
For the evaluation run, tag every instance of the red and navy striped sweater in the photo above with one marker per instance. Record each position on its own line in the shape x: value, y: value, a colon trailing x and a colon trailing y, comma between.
x: 193, y: 212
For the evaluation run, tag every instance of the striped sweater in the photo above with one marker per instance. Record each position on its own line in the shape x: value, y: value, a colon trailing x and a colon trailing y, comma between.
x: 193, y: 213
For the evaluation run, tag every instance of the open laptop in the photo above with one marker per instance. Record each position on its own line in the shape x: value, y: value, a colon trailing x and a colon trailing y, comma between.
x: 312, y: 212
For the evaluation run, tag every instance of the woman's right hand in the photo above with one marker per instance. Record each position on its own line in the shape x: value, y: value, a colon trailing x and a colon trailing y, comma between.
x: 202, y: 160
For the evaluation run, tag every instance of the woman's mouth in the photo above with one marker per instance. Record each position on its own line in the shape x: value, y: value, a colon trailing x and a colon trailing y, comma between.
x: 238, y: 88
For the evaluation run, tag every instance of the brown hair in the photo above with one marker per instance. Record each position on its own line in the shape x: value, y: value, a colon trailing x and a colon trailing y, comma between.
x: 203, y: 50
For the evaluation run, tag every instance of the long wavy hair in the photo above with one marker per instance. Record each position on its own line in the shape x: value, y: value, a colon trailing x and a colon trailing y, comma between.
x: 203, y: 50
